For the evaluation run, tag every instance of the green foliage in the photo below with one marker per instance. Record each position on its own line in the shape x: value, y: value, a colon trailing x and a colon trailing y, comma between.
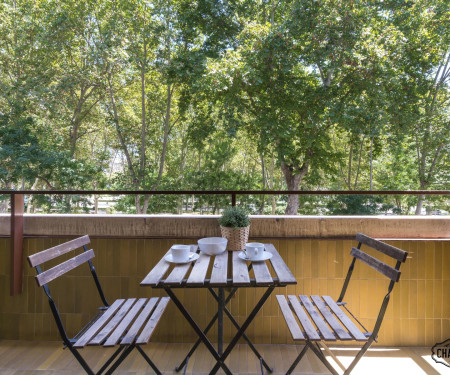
x: 359, y: 205
x: 207, y: 95
x: 234, y: 217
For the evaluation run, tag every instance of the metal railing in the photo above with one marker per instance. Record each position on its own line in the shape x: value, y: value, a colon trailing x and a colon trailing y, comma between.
x: 232, y: 193
x: 17, y: 210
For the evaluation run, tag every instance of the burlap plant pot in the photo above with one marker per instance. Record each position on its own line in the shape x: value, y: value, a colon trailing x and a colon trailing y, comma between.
x: 237, y: 237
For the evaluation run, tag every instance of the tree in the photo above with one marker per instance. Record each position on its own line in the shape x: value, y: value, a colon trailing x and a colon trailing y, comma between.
x: 297, y: 79
x: 72, y: 98
x: 421, y: 96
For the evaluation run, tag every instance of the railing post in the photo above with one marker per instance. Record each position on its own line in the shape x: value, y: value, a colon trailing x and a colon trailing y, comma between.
x: 17, y: 201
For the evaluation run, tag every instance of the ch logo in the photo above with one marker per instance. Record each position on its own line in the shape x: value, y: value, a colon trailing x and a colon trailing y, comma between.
x: 441, y: 353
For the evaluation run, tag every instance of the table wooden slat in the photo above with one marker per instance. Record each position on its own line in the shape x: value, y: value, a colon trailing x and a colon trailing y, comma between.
x: 180, y: 275
x: 332, y: 321
x: 114, y: 337
x: 179, y: 271
x: 317, y: 318
x: 219, y: 272
x: 157, y: 273
x: 262, y: 273
x: 284, y: 275
x: 240, y: 270
x: 198, y: 273
x: 97, y: 340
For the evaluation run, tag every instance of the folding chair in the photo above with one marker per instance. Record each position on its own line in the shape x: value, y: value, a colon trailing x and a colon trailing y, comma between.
x: 318, y: 320
x: 126, y: 322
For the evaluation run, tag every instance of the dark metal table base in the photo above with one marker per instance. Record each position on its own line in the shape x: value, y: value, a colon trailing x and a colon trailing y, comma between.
x: 217, y: 354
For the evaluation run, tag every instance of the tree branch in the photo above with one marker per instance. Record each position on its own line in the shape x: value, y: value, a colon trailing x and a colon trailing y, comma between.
x: 435, y: 160
x: 47, y: 182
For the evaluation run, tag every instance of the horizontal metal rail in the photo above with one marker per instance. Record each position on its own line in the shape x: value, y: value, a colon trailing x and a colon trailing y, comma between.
x: 17, y: 209
x: 226, y: 192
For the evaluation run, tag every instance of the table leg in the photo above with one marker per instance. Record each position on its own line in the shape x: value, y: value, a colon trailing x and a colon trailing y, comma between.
x: 241, y: 331
x: 244, y: 336
x: 206, y: 330
x: 220, y: 307
x: 220, y: 359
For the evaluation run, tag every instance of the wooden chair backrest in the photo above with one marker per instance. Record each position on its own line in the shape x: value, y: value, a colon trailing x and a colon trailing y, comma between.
x: 37, y: 259
x: 392, y: 251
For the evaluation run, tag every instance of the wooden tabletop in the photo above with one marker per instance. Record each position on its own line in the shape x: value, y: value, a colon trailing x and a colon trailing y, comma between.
x: 213, y: 271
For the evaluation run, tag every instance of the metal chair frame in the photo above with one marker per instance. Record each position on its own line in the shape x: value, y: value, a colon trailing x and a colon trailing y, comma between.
x: 316, y: 346
x: 123, y: 350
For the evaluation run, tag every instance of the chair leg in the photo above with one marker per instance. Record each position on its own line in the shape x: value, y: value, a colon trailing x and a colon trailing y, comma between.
x: 110, y: 360
x: 81, y: 360
x: 359, y: 356
x: 322, y: 358
x: 124, y: 355
x: 186, y: 365
x: 332, y: 355
x: 297, y: 360
x: 149, y: 361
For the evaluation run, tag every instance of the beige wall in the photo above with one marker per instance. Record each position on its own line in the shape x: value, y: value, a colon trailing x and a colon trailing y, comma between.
x: 419, y: 313
x: 195, y: 226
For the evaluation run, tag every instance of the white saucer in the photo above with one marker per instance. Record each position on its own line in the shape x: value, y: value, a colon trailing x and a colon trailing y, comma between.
x: 192, y: 257
x: 267, y: 255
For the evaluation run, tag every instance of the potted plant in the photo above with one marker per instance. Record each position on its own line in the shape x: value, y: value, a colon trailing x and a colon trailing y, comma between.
x: 235, y: 226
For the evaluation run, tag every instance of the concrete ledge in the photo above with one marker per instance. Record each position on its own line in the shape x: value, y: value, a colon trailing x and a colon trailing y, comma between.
x: 195, y: 226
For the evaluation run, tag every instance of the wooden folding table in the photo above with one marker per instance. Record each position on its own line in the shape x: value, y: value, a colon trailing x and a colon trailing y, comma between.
x: 199, y: 274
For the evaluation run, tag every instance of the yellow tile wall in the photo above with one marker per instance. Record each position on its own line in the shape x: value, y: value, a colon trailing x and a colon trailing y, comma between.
x: 419, y: 312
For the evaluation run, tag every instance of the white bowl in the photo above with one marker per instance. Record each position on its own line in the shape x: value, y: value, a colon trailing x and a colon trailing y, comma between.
x: 212, y: 245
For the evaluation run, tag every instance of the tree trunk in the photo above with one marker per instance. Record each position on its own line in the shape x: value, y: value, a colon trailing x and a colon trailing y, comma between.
x: 349, y: 173
x: 182, y: 166
x: 4, y: 206
x: 359, y: 165
x: 420, y: 204
x: 421, y: 198
x: 293, y: 180
x: 143, y: 120
x: 398, y: 203
x: 134, y: 177
x: 263, y: 170
x: 79, y: 115
x: 371, y: 163
x: 166, y: 137
x: 30, y: 205
x: 119, y: 132
x: 75, y: 122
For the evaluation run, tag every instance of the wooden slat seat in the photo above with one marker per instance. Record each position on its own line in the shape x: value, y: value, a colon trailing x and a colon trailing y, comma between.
x: 321, y: 319
x: 324, y: 324
x: 128, y: 323
x: 126, y: 328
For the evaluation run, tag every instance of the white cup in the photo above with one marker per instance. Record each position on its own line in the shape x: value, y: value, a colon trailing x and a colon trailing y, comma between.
x: 254, y: 250
x: 180, y: 253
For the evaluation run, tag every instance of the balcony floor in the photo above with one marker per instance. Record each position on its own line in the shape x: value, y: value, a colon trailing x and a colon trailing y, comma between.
x: 48, y: 358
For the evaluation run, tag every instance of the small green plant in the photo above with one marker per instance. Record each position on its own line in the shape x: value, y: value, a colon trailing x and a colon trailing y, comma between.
x: 234, y: 217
